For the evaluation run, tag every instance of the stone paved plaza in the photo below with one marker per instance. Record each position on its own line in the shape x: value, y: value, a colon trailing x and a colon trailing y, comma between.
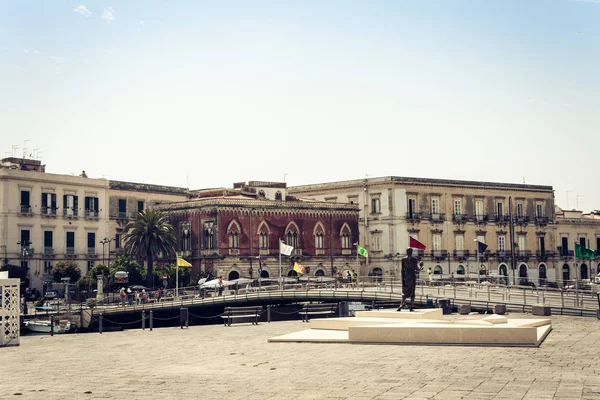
x: 215, y: 362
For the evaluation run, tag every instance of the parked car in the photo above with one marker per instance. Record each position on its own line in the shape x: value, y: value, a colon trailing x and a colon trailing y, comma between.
x: 50, y: 294
x: 553, y: 285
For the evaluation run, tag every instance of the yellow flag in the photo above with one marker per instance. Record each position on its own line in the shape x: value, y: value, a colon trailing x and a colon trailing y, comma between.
x: 298, y: 268
x: 182, y: 263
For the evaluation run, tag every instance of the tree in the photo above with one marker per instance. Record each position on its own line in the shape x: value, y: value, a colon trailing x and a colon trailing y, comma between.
x: 136, y: 272
x: 66, y: 269
x: 149, y: 236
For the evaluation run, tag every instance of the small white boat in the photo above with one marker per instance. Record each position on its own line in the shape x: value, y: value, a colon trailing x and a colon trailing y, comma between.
x: 44, y: 326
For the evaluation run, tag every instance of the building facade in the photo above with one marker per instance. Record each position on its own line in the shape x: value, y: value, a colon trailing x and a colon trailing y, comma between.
x: 126, y: 199
x: 584, y: 229
x: 448, y: 216
x: 231, y: 232
x: 46, y: 218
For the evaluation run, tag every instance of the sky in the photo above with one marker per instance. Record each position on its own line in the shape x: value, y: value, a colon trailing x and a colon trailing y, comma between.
x: 202, y: 94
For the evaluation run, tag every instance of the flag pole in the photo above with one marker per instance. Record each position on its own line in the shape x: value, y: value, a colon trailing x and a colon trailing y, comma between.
x: 280, y: 277
x: 477, y: 269
x: 576, y: 274
x: 357, y: 265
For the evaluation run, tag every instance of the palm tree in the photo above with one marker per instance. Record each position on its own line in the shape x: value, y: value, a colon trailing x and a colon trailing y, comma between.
x: 148, y: 236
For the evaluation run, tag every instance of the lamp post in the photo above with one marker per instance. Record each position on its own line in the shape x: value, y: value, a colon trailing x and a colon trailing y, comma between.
x: 106, y: 241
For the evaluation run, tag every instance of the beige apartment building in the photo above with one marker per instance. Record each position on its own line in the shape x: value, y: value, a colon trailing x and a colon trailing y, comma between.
x: 126, y: 199
x: 46, y: 218
x: 584, y: 229
x: 448, y: 216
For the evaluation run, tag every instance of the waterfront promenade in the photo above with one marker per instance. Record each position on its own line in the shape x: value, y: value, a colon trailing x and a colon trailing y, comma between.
x: 215, y: 362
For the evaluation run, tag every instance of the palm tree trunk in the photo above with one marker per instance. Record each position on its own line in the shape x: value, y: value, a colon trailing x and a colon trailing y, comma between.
x: 149, y: 271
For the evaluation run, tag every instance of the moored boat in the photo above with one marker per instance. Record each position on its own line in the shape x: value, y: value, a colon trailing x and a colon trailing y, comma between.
x: 44, y: 326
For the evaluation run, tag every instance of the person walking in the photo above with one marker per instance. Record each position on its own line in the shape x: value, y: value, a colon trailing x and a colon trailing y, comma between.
x: 123, y: 296
x: 220, y: 286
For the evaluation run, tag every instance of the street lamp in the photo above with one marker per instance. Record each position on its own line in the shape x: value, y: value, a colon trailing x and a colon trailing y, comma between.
x: 106, y: 241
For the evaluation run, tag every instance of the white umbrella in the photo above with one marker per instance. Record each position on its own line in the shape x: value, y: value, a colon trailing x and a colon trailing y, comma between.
x: 241, y: 281
x: 215, y: 283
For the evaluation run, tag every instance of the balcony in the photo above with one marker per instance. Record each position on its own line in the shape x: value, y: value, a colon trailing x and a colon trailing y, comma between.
x: 91, y: 251
x: 234, y: 252
x: 565, y: 253
x: 540, y: 221
x: 420, y: 254
x: 501, y: 219
x: 522, y: 220
x: 25, y: 209
x: 459, y: 218
x: 461, y: 255
x: 297, y: 252
x: 27, y: 251
x: 48, y: 251
x: 346, y: 252
x: 439, y: 255
x: 48, y: 211
x: 523, y: 255
x: 413, y: 217
x: 481, y: 218
x: 319, y: 252
x: 543, y: 255
x: 502, y: 255
x: 70, y: 212
x: 91, y: 214
x: 436, y: 217
x: 264, y: 252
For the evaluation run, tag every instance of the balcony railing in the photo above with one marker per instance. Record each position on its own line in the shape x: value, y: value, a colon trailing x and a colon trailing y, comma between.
x: 319, y: 252
x: 48, y: 211
x: 461, y: 254
x: 48, y: 250
x: 436, y: 217
x: 439, y: 254
x: 541, y: 220
x: 70, y: 250
x: 501, y: 219
x: 346, y: 252
x: 70, y: 212
x: 522, y: 220
x: 502, y: 254
x: 122, y: 215
x: 91, y: 251
x: 523, y: 254
x: 234, y: 252
x: 91, y: 214
x: 459, y: 218
x: 25, y: 209
x: 264, y: 252
x: 413, y: 217
x: 481, y: 218
x: 297, y: 252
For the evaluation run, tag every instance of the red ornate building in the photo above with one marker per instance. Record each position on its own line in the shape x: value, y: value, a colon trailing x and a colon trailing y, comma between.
x: 226, y: 231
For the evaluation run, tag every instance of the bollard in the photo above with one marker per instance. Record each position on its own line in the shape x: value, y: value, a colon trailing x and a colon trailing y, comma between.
x: 143, y: 320
x: 151, y: 319
x: 183, y: 317
x: 489, y: 293
x: 100, y: 324
x: 562, y: 298
x: 52, y: 325
x: 340, y: 309
x: 268, y: 313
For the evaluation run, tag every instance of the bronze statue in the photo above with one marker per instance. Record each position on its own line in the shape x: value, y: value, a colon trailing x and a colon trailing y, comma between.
x: 410, y: 270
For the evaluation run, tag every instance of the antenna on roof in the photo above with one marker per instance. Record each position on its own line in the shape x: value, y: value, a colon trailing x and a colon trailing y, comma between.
x: 14, y: 147
x: 577, y: 200
x: 25, y: 147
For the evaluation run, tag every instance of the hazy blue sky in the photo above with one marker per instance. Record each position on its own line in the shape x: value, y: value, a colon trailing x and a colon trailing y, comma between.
x: 207, y: 93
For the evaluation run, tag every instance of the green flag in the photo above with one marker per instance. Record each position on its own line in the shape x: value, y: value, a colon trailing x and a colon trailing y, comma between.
x: 582, y: 252
x: 362, y: 251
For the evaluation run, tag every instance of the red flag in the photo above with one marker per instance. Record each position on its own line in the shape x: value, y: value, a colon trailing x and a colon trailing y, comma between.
x: 415, y: 244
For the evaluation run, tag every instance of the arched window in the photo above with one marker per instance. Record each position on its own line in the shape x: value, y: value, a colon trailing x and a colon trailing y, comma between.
x: 346, y: 236
x: 583, y: 269
x: 291, y: 235
x: 292, y: 273
x: 566, y: 273
x: 186, y: 236
x: 278, y: 195
x: 542, y: 273
x: 209, y: 235
x: 460, y: 270
x: 503, y: 270
x: 263, y: 235
x: 261, y: 193
x: 264, y: 273
x: 319, y: 234
x: 233, y: 275
x: 438, y: 270
x: 233, y: 231
x: 320, y: 272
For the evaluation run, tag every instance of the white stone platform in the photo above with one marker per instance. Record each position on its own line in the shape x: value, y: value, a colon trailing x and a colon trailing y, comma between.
x: 423, y: 327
